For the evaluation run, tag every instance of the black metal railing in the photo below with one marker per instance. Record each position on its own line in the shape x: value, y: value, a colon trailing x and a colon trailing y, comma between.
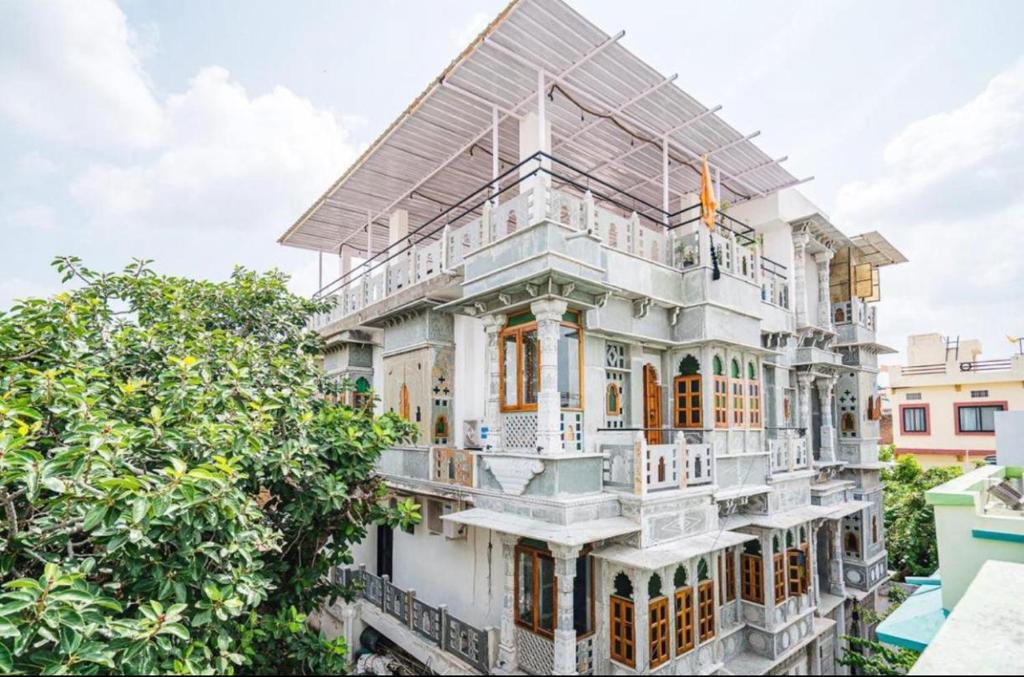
x: 771, y: 267
x: 986, y: 365
x: 470, y: 205
x: 923, y: 369
x: 432, y: 623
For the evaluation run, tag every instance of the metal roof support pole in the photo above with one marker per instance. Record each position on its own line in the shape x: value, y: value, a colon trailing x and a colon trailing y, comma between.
x: 320, y: 271
x: 664, y: 174
x: 369, y: 234
x: 495, y: 161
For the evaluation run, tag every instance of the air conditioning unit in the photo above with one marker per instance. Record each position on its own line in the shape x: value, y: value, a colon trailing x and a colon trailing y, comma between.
x: 474, y: 434
x: 453, y: 531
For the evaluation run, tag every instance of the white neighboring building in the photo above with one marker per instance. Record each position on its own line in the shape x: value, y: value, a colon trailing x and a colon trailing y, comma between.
x: 627, y: 463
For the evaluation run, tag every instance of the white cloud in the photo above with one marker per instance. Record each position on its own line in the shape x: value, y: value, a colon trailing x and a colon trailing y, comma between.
x: 36, y: 164
x: 32, y: 217
x: 227, y: 160
x: 950, y: 198
x: 16, y: 288
x: 69, y: 72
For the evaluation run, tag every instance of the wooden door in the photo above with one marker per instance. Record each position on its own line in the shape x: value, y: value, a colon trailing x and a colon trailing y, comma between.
x: 652, y: 405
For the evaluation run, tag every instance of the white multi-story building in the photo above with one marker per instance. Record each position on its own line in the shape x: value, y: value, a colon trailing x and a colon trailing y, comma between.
x: 644, y: 445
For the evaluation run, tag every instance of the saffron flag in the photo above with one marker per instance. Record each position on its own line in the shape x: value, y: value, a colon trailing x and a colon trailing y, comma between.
x: 708, y: 205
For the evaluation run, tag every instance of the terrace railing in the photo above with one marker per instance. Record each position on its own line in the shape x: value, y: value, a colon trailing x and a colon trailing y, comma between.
x: 475, y: 646
x: 986, y: 365
x: 774, y: 283
x: 577, y: 200
x: 787, y: 448
x: 662, y: 467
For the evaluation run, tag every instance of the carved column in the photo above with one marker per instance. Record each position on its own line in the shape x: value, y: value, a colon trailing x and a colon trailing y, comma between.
x: 825, y: 385
x: 804, y: 379
x: 800, y: 240
x: 565, y: 632
x: 549, y: 314
x: 836, y: 585
x: 492, y: 413
x: 507, y: 658
x: 824, y: 295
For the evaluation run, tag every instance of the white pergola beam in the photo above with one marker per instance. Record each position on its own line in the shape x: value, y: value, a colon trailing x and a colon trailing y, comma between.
x: 553, y: 78
x: 622, y: 106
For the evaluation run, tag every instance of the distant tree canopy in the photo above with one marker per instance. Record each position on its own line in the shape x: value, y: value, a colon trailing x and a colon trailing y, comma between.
x: 176, y: 477
x: 909, y: 520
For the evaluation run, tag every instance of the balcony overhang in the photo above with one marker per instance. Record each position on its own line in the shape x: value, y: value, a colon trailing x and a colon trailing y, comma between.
x: 876, y: 250
x: 661, y: 556
x: 578, y: 533
x: 612, y: 116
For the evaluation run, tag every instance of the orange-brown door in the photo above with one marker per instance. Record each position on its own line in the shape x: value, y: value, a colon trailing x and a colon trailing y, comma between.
x: 652, y: 405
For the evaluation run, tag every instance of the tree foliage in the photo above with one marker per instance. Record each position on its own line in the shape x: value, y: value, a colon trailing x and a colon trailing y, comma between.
x: 909, y: 520
x: 869, y: 657
x: 177, y: 478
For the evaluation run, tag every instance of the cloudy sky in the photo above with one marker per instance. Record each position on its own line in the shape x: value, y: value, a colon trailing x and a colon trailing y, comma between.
x: 194, y: 133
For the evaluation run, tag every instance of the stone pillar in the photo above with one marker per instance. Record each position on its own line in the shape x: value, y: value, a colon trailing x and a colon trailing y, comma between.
x: 824, y: 294
x: 345, y: 259
x: 549, y: 314
x: 565, y: 632
x: 836, y: 585
x: 804, y: 380
x: 825, y: 385
x: 398, y: 226
x: 507, y: 659
x: 800, y: 240
x: 493, y: 325
x: 534, y: 136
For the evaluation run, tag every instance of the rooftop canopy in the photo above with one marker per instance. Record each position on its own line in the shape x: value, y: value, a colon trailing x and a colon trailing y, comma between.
x: 612, y: 117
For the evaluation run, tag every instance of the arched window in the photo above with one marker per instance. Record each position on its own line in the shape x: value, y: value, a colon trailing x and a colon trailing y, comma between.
x: 848, y: 422
x: 688, y: 395
x: 852, y: 546
x: 510, y: 223
x: 654, y: 586
x: 752, y: 583
x: 613, y: 400
x: 683, y: 599
x: 721, y: 400
x: 564, y: 215
x: 613, y: 235
x: 441, y: 429
x: 753, y: 395
x: 779, y: 565
x: 361, y: 396
x: 738, y: 396
x: 798, y: 563
x: 623, y: 586
x: 623, y: 624
x: 705, y: 602
x: 661, y: 469
x: 840, y: 316
x: 403, y: 401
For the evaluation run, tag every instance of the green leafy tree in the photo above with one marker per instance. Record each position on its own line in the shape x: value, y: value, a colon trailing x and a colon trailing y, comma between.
x: 869, y: 657
x: 177, y: 477
x: 909, y: 520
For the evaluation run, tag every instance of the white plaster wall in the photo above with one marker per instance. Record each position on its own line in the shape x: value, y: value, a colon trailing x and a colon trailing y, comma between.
x: 811, y: 276
x: 1010, y: 438
x: 961, y: 555
x: 470, y: 374
x: 378, y: 378
x: 467, y: 575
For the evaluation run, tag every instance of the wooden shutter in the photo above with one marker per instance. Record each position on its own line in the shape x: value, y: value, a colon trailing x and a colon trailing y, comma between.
x: 621, y: 629
x: 652, y: 405
x: 658, y: 628
x: 684, y: 620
